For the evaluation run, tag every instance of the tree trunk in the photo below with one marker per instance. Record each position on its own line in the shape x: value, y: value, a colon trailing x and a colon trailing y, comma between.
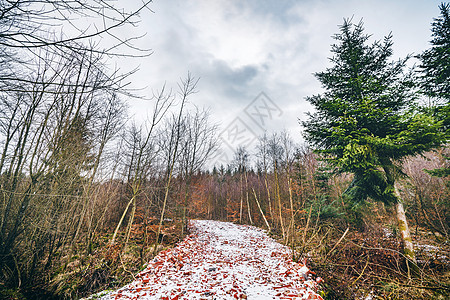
x: 408, y: 248
x: 248, y: 202
x: 260, y: 210
x: 291, y: 229
x: 403, y: 228
x: 280, y: 207
x: 241, y: 203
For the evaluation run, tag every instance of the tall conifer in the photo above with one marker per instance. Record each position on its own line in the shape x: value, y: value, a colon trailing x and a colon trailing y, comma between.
x: 365, y: 121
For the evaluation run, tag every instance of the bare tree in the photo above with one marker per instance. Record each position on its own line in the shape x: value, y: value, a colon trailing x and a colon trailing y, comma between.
x: 263, y: 156
x: 187, y: 87
x: 276, y: 153
x: 65, y: 24
x: 52, y: 88
x: 141, y: 151
x: 289, y: 157
x: 198, y: 142
x: 241, y: 163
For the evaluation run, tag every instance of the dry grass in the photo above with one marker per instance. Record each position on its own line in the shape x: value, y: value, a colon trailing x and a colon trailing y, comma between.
x: 370, y: 264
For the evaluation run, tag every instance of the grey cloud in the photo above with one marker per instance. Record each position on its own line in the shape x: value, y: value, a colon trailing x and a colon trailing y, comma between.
x: 182, y: 54
x: 279, y: 11
x: 296, y: 37
x: 233, y: 82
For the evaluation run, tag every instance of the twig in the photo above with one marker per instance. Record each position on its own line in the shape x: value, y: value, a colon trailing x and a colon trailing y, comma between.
x: 335, y: 245
x: 125, y: 269
x: 433, y: 288
x: 362, y: 272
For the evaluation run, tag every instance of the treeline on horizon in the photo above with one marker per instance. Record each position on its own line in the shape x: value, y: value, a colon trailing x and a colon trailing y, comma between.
x: 88, y: 194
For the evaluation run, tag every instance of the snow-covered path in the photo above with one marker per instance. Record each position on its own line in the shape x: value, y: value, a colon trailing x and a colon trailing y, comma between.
x: 222, y: 261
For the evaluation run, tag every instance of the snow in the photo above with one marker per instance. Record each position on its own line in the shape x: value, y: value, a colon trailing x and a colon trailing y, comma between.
x: 426, y: 253
x: 222, y: 260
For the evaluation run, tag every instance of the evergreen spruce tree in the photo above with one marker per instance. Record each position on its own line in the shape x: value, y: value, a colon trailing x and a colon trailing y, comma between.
x: 435, y: 74
x: 365, y: 122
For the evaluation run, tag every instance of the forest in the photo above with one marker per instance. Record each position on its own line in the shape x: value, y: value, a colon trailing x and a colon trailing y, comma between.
x: 89, y: 194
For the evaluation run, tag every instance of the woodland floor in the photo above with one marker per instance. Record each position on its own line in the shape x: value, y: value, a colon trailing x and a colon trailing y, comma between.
x: 221, y: 260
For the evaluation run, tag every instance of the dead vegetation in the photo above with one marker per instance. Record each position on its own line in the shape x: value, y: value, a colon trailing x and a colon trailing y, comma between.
x: 368, y: 263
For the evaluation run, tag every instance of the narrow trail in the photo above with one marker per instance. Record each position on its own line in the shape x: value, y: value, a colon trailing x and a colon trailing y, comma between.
x: 222, y: 261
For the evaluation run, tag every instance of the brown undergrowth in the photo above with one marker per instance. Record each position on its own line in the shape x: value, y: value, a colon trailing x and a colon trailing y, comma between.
x: 369, y: 264
x: 103, y: 267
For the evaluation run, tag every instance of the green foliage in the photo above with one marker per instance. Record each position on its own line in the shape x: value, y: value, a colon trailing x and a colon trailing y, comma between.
x: 441, y: 172
x: 367, y: 118
x: 435, y: 62
x: 11, y: 294
x: 435, y: 75
x: 325, y: 208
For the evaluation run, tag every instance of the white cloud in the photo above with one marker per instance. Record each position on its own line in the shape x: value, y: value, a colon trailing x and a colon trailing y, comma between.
x: 240, y: 48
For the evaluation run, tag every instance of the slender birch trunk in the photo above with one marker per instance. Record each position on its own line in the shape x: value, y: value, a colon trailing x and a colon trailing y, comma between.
x: 280, y: 207
x: 408, y: 248
x: 248, y: 202
x: 261, y: 211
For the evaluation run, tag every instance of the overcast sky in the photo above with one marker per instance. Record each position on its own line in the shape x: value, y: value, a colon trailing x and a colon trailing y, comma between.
x: 240, y: 49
